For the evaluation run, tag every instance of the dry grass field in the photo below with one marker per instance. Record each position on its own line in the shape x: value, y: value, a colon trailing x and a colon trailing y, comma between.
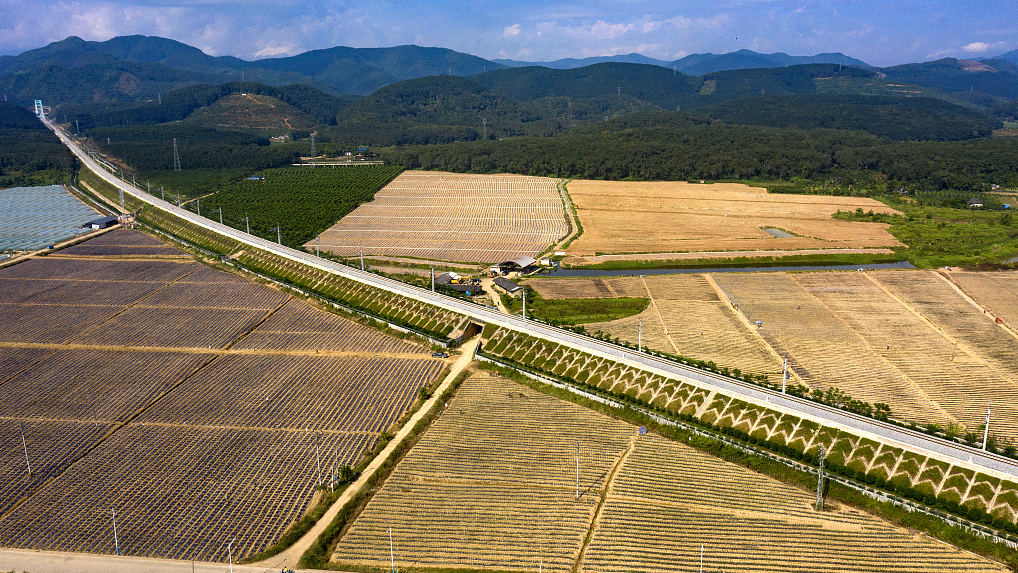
x: 134, y: 396
x: 906, y: 338
x: 673, y: 217
x: 686, y: 317
x: 471, y: 496
x: 997, y: 291
x: 453, y: 217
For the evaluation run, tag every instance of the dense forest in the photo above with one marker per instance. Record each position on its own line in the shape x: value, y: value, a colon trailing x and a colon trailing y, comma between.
x: 30, y: 154
x: 898, y: 118
x: 679, y: 146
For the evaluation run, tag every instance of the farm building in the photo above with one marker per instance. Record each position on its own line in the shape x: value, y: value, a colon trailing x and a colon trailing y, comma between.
x: 508, y: 286
x: 521, y: 263
x: 975, y: 203
x: 103, y: 223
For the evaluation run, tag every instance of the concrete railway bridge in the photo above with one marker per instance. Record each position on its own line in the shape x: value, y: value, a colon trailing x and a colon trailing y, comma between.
x: 885, y: 433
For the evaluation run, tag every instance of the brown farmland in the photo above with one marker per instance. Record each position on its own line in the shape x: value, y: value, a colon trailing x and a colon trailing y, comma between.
x: 678, y: 217
x: 471, y: 496
x: 453, y: 217
x: 135, y: 393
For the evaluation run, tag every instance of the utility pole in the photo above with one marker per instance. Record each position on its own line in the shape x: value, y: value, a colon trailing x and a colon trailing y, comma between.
x: 318, y: 457
x: 701, y: 558
x: 220, y: 214
x: 24, y: 445
x: 149, y: 183
x: 77, y: 128
x: 116, y: 541
x: 229, y: 548
x: 639, y: 336
x: 392, y: 559
x: 525, y: 305
x: 484, y: 120
x: 279, y: 234
x: 316, y: 245
x: 362, y: 258
x: 198, y: 203
x: 162, y: 195
x: 820, y: 482
x: 313, y: 154
x: 577, y: 471
x: 122, y: 209
x: 248, y: 222
x: 784, y: 376
x: 176, y: 156
x: 985, y: 430
x: 432, y: 279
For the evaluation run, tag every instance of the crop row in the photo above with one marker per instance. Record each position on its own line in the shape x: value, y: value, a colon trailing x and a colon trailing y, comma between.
x: 891, y: 467
x: 299, y: 326
x: 181, y: 493
x: 349, y: 394
x: 392, y: 307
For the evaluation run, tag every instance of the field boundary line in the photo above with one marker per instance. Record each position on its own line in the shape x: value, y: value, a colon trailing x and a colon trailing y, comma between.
x: 56, y: 346
x: 749, y: 325
x: 268, y: 315
x: 958, y: 289
x: 596, y: 519
x: 657, y: 311
x: 962, y: 347
x: 116, y: 426
x: 915, y: 387
x: 128, y: 307
x: 573, y: 229
x: 291, y: 555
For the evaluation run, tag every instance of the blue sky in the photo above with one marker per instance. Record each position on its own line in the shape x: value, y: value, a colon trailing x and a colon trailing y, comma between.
x: 880, y: 32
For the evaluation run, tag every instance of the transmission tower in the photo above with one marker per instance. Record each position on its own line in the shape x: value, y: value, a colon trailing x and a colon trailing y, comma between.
x: 484, y: 120
x: 176, y: 157
x: 820, y: 482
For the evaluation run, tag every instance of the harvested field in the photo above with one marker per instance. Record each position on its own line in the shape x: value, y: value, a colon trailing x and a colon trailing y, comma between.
x: 154, y: 271
x: 960, y: 384
x: 822, y: 349
x: 52, y: 446
x: 668, y: 499
x: 472, y: 495
x: 219, y: 295
x: 687, y: 317
x: 933, y: 297
x: 672, y: 217
x: 299, y: 326
x: 457, y: 501
x: 179, y: 492
x: 89, y: 385
x: 191, y: 447
x: 14, y: 360
x: 998, y: 292
x: 453, y: 217
x: 341, y: 394
x: 174, y: 327
x: 50, y: 323
x: 122, y: 243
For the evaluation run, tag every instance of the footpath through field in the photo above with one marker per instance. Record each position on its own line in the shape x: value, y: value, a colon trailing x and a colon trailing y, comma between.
x: 694, y: 255
x: 61, y: 562
x: 291, y: 556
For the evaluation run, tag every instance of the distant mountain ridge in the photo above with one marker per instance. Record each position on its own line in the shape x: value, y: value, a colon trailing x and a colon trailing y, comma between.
x: 699, y: 64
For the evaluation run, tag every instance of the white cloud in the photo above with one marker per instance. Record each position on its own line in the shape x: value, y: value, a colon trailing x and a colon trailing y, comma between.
x: 607, y: 31
x: 277, y: 50
x: 511, y: 31
x: 976, y: 47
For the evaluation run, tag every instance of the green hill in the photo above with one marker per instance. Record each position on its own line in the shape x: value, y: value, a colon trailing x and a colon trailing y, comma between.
x: 897, y: 118
x: 994, y: 77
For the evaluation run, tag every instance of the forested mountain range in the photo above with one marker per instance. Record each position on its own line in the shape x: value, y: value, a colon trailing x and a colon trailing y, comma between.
x: 139, y: 68
x: 699, y: 64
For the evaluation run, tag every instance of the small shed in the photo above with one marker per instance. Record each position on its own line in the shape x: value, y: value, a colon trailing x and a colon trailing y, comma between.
x: 103, y: 223
x: 255, y: 178
x: 508, y: 286
x: 446, y: 278
x: 975, y: 203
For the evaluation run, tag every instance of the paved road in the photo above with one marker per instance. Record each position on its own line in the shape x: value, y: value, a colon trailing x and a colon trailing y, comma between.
x: 918, y: 442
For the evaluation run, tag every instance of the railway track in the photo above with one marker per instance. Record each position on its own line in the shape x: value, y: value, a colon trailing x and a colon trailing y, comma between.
x: 954, y: 453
